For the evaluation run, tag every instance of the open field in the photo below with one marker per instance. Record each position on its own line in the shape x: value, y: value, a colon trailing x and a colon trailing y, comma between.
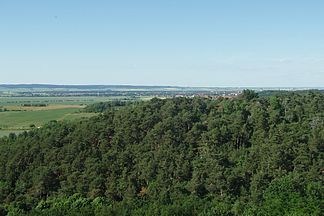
x: 19, y: 113
x: 18, y: 121
x: 15, y: 120
x: 22, y: 112
x: 82, y: 100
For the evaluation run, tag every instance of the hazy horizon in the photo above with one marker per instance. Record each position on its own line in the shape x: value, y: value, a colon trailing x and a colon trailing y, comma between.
x: 176, y: 86
x: 183, y: 43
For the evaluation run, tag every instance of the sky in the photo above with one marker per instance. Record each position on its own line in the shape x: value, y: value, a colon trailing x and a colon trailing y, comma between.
x: 236, y: 43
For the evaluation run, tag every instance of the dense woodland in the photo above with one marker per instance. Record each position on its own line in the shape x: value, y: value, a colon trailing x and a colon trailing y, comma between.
x: 249, y: 155
x: 104, y: 106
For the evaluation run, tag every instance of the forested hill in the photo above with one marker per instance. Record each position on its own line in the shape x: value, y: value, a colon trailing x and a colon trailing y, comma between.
x: 245, y: 156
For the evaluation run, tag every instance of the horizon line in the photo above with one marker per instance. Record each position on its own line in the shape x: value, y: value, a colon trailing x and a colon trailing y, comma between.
x: 173, y: 86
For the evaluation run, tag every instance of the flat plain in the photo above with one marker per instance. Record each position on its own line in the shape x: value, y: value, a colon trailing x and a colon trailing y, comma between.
x: 21, y: 113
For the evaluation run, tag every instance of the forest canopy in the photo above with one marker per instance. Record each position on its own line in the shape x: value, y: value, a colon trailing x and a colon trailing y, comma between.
x: 249, y: 155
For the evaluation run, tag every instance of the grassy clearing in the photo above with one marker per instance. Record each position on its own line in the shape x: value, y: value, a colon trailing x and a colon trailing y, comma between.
x: 23, y: 119
x: 20, y: 117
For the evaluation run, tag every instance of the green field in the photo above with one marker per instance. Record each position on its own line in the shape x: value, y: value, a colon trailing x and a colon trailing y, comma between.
x: 23, y: 119
x: 19, y: 117
x: 82, y: 100
x: 58, y: 108
x: 18, y: 121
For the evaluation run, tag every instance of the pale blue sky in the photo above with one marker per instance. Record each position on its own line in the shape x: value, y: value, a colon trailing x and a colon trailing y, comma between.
x: 170, y: 42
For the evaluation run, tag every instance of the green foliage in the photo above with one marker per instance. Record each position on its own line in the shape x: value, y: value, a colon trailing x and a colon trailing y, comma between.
x: 248, y: 94
x: 183, y: 156
x: 103, y: 106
